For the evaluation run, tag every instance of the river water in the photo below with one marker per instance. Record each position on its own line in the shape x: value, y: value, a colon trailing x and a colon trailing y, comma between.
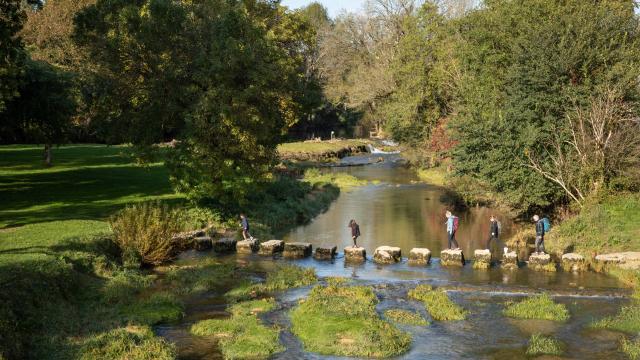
x: 397, y: 210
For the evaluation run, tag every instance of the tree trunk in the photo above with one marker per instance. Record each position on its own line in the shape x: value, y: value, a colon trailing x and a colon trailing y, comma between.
x: 47, y: 155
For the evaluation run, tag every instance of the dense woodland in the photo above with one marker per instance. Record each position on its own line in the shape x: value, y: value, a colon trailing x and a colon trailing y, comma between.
x: 535, y: 100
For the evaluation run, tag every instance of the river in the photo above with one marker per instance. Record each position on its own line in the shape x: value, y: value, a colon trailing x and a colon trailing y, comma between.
x: 398, y: 210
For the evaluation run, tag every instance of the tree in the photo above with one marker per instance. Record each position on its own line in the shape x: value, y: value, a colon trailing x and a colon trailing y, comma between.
x: 12, y: 55
x: 222, y: 77
x: 43, y: 111
x: 602, y: 143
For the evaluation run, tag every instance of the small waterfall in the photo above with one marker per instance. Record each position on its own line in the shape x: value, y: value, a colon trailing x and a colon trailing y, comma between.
x: 373, y: 150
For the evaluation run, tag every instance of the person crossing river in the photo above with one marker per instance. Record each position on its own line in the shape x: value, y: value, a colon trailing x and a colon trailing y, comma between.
x: 452, y: 228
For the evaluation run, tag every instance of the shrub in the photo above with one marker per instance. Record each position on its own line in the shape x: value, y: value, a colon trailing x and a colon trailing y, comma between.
x: 145, y: 232
x: 438, y: 303
x: 538, y: 307
x: 542, y: 345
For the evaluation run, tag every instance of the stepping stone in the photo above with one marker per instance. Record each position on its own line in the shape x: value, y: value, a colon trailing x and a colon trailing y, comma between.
x: 387, y: 255
x: 271, y: 247
x: 451, y: 258
x: 510, y: 261
x: 541, y: 262
x: 325, y: 253
x: 574, y: 262
x: 247, y: 246
x: 224, y: 245
x: 419, y: 256
x: 202, y: 243
x: 355, y: 254
x: 482, y: 259
x: 297, y: 250
x: 629, y: 260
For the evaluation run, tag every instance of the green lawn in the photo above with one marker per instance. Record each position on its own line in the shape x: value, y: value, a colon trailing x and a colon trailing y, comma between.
x: 86, y: 182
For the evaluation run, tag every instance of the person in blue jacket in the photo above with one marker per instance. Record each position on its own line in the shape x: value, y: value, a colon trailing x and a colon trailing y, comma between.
x: 539, y: 234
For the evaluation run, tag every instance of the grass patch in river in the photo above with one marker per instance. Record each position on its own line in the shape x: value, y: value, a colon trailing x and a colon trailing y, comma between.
x: 159, y: 307
x: 137, y: 343
x: 537, y: 307
x: 203, y: 277
x: 243, y: 336
x: 438, y: 303
x: 282, y: 278
x: 631, y: 348
x: 342, y: 180
x: 627, y: 320
x: 405, y: 317
x: 342, y: 321
x: 543, y: 345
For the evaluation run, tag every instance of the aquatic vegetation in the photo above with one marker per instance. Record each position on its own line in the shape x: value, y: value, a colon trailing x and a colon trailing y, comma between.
x: 537, y: 307
x: 131, y: 343
x: 282, y: 278
x: 627, y: 320
x: 243, y: 336
x: 438, y: 304
x: 341, y: 180
x: 543, y: 345
x: 631, y: 348
x: 405, y: 317
x: 159, y: 307
x: 200, y: 278
x: 481, y: 265
x: 342, y: 320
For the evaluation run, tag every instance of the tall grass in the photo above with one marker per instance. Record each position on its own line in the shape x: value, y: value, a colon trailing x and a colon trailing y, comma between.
x: 145, y: 232
x: 543, y: 345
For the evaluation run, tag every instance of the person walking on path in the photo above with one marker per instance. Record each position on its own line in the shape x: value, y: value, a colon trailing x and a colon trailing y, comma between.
x: 244, y: 223
x: 494, y: 231
x: 539, y: 234
x: 452, y: 227
x: 355, y: 231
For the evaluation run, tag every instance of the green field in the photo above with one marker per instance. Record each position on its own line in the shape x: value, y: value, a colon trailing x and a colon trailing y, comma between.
x: 86, y: 182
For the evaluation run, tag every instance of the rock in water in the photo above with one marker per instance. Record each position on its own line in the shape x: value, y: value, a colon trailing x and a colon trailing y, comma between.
x: 224, y: 245
x: 541, y: 262
x: 387, y: 255
x: 629, y: 260
x: 510, y: 261
x: 574, y: 262
x: 325, y: 253
x: 355, y: 254
x: 482, y: 259
x: 451, y: 258
x: 202, y: 243
x: 247, y: 246
x: 271, y: 247
x: 419, y: 256
x: 296, y: 250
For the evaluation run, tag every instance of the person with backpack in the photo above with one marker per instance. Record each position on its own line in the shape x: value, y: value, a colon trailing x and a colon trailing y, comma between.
x: 539, y: 234
x: 355, y: 231
x: 244, y: 223
x: 452, y: 227
x: 494, y: 231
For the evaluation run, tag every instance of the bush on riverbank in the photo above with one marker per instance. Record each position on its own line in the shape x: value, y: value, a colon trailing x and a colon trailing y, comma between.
x: 543, y: 345
x: 405, y: 317
x: 540, y: 307
x: 243, y: 336
x: 438, y: 304
x: 342, y: 321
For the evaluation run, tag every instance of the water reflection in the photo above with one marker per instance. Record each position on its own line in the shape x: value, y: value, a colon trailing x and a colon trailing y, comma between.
x: 399, y: 211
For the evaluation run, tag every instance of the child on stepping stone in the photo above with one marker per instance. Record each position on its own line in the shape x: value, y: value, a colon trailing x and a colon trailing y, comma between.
x: 355, y: 231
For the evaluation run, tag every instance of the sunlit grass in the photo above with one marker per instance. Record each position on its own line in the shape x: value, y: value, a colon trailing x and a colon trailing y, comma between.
x: 438, y: 304
x: 405, y: 317
x: 540, y: 307
x: 543, y: 345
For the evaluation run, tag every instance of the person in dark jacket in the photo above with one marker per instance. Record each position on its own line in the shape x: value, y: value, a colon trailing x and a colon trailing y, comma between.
x: 244, y: 223
x: 355, y: 231
x: 539, y: 234
x: 494, y: 230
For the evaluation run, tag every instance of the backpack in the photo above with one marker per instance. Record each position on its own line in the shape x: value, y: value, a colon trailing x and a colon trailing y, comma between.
x: 547, y: 224
x: 499, y: 227
x: 455, y: 223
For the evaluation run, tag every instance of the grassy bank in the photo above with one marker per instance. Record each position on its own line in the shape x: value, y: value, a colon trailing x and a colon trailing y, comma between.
x: 606, y: 224
x: 342, y: 320
x: 86, y: 182
x: 317, y: 148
